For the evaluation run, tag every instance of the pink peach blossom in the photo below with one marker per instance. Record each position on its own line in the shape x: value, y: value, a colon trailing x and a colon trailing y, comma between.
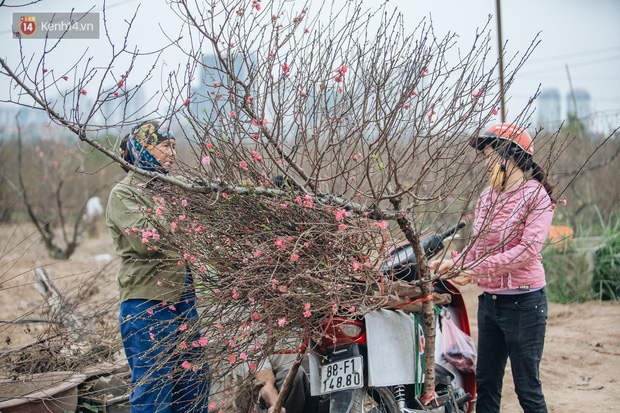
x: 256, y: 156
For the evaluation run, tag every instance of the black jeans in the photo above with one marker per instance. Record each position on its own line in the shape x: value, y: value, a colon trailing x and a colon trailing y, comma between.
x: 511, y: 326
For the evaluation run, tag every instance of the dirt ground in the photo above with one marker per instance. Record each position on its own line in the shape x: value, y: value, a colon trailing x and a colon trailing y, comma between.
x: 581, y: 360
x: 580, y: 369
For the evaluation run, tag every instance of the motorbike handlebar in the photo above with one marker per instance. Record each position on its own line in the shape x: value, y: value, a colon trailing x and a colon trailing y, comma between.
x: 450, y: 231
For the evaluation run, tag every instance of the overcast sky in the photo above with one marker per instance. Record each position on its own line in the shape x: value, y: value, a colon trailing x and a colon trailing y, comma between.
x: 581, y: 34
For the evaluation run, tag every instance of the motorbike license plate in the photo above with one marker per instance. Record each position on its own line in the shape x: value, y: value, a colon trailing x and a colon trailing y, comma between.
x: 342, y: 375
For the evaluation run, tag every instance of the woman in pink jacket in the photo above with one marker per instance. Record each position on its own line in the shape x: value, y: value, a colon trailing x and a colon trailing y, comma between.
x: 512, y: 220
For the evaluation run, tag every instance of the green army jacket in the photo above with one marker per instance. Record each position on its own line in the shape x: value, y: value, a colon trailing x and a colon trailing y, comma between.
x: 146, y: 271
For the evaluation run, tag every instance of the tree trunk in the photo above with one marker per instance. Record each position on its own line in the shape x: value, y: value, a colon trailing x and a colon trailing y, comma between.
x: 427, y: 308
x: 288, y: 382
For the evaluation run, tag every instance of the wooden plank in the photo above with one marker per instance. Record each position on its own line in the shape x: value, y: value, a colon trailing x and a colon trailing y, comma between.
x: 403, y: 289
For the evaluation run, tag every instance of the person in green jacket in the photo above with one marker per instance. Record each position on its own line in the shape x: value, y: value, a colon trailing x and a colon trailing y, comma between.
x: 157, y: 310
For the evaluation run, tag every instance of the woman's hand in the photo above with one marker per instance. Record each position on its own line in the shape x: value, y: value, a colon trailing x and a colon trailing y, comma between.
x: 444, y: 266
x: 463, y: 278
x: 441, y: 266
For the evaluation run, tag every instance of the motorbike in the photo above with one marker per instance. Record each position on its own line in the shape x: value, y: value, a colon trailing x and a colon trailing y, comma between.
x: 374, y: 364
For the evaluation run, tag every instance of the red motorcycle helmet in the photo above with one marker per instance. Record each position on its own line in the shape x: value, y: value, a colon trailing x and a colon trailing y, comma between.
x: 510, y: 141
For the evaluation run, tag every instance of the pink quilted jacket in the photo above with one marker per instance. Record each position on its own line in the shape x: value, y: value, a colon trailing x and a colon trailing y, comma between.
x: 509, y: 232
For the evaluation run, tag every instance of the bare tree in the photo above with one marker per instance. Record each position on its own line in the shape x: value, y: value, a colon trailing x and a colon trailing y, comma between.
x: 47, y: 180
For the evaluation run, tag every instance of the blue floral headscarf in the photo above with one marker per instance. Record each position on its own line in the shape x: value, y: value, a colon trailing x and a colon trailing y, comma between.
x: 141, y: 141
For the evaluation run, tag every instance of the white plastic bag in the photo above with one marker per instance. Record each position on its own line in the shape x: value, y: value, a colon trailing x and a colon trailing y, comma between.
x: 458, y: 348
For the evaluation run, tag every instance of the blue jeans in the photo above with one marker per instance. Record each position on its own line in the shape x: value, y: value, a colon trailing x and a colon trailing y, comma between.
x: 151, y: 336
x: 511, y: 326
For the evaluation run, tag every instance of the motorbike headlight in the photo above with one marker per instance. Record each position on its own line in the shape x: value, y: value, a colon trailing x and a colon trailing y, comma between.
x: 351, y: 330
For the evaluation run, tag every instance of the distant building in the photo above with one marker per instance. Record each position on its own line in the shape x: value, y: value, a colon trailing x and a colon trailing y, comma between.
x: 580, y: 104
x: 137, y: 104
x: 26, y: 115
x: 549, y: 108
x: 205, y: 101
x: 111, y: 112
x: 7, y: 114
